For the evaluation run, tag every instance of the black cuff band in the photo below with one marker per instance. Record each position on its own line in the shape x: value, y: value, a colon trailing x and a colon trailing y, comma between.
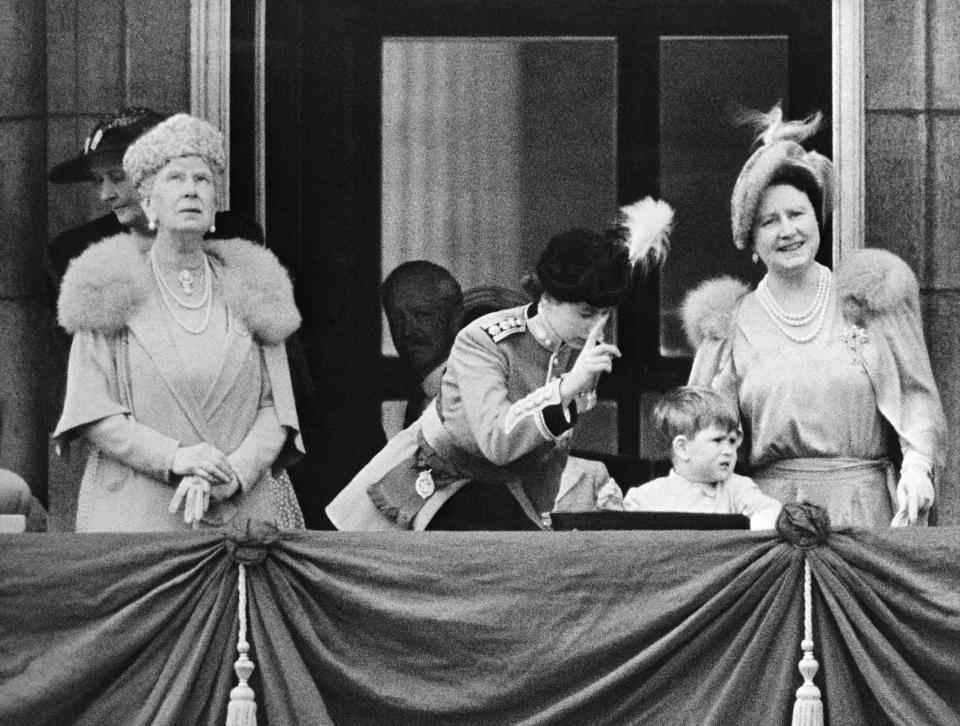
x: 556, y: 422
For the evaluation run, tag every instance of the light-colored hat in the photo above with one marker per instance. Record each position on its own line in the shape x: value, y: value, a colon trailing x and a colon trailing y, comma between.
x: 180, y: 135
x: 780, y: 151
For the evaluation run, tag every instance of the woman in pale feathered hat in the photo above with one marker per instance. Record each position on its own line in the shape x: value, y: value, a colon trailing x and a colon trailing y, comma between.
x: 829, y: 369
x: 178, y: 374
x: 487, y: 454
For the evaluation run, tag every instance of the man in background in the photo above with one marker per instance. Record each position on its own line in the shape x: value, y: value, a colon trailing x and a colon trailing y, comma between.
x: 424, y: 307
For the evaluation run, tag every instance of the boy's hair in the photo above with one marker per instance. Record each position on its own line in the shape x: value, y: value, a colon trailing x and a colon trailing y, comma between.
x: 688, y: 410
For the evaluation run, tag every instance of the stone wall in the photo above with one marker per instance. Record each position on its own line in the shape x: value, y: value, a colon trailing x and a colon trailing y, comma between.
x: 102, y: 56
x: 912, y: 96
x: 23, y: 137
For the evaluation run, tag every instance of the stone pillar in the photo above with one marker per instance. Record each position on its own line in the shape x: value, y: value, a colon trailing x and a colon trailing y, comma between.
x: 23, y: 159
x: 943, y: 209
x: 912, y: 96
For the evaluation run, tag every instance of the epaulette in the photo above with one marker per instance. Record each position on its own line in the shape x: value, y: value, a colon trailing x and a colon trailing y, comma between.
x: 500, y: 329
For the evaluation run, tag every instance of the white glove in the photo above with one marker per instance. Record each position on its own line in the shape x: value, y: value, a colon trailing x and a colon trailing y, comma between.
x: 194, y: 493
x: 595, y: 358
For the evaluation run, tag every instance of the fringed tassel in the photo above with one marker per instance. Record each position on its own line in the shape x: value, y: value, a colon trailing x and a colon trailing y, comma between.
x: 242, y: 709
x: 808, y: 708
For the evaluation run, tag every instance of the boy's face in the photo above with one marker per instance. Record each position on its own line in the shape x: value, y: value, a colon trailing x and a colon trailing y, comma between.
x: 710, y: 455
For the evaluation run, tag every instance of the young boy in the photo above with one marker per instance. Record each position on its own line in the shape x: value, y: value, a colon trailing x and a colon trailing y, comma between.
x: 703, y: 434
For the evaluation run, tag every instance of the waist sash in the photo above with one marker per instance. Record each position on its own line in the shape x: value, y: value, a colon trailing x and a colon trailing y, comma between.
x: 858, y: 492
x: 450, y: 467
x: 824, y: 469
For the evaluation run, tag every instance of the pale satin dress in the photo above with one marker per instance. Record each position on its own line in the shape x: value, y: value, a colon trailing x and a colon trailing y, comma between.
x: 811, y: 420
x: 822, y: 419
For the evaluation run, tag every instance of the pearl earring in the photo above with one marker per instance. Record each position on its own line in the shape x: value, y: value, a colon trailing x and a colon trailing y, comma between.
x: 151, y: 225
x: 213, y: 228
x: 756, y: 258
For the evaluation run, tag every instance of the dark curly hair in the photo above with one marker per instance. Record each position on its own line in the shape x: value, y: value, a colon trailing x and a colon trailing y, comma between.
x: 580, y: 265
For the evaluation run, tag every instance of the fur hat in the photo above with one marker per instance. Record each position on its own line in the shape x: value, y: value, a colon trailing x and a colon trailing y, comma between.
x: 112, y: 135
x: 780, y: 155
x: 180, y: 135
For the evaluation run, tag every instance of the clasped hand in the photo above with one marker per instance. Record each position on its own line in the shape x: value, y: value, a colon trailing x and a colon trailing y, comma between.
x: 195, y: 493
x: 203, y: 460
x: 207, y: 474
x: 595, y: 358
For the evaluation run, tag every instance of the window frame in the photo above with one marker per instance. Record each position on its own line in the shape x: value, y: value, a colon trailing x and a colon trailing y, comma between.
x: 210, y: 98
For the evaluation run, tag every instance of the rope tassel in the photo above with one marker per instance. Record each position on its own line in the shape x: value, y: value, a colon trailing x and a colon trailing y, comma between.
x: 242, y: 709
x: 808, y: 708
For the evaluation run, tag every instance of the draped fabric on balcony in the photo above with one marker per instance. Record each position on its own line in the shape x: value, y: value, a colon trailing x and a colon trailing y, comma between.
x: 479, y: 628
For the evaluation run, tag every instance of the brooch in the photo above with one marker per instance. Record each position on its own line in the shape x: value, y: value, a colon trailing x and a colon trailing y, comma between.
x: 854, y: 337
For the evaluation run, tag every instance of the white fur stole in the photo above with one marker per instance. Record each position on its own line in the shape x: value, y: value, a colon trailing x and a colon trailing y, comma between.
x: 873, y: 282
x: 709, y: 310
x: 106, y: 285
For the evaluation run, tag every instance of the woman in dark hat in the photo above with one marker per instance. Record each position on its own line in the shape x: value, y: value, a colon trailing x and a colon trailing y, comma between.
x: 489, y: 453
x: 178, y: 375
x: 829, y: 370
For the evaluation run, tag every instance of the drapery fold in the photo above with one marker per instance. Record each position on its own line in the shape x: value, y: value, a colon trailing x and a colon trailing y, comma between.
x: 889, y: 618
x: 479, y: 628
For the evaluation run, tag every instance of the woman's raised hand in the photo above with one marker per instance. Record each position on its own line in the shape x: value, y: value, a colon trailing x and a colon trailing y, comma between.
x: 595, y: 358
x: 203, y: 460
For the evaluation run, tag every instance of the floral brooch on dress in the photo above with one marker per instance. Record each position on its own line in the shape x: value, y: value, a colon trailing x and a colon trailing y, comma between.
x: 854, y: 337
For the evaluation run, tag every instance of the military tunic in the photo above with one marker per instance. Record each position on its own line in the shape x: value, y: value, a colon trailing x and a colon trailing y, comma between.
x: 498, y: 420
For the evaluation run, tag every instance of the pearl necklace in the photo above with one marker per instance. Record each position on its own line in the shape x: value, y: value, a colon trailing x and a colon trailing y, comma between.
x: 184, y: 303
x: 207, y: 296
x: 799, y: 319
x: 785, y: 321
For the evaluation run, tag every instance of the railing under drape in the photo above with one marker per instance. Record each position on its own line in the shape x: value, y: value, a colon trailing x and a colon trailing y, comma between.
x: 481, y: 628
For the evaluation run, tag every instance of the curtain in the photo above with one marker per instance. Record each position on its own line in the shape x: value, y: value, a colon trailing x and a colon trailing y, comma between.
x: 478, y: 628
x: 451, y: 157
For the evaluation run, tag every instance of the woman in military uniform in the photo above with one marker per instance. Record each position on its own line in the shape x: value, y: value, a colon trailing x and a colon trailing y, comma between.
x: 488, y: 452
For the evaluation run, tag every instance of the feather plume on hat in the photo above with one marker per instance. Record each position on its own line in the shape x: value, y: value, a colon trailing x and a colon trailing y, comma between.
x: 770, y: 126
x: 646, y: 227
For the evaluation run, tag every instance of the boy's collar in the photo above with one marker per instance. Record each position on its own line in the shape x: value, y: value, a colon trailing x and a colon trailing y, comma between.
x: 708, y: 488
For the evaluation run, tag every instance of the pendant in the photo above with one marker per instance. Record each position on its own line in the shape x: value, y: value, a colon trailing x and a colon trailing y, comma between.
x: 185, y: 278
x: 425, y: 485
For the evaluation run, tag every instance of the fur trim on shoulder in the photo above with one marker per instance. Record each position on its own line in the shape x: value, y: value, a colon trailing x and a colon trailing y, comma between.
x: 871, y: 282
x: 104, y: 285
x: 257, y: 288
x: 709, y: 311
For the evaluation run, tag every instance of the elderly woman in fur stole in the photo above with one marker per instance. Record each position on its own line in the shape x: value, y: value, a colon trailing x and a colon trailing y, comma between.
x: 178, y: 374
x: 829, y: 369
